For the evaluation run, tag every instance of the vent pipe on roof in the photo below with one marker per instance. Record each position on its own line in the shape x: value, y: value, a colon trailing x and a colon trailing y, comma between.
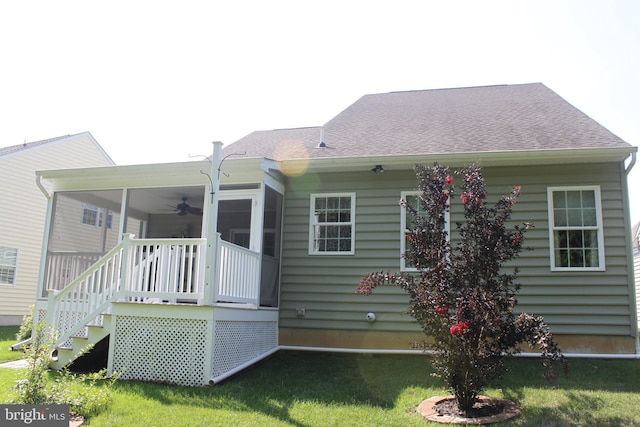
x: 321, y: 144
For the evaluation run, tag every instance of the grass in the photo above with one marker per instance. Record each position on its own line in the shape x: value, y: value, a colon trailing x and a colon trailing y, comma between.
x: 7, y: 339
x: 317, y: 389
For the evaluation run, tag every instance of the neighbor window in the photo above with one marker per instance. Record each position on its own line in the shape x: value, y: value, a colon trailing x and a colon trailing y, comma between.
x: 92, y: 215
x: 8, y: 258
x: 406, y: 222
x: 575, y: 228
x: 332, y: 227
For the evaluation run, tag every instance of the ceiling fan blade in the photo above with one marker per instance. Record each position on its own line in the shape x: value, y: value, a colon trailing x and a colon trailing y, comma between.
x: 194, y: 211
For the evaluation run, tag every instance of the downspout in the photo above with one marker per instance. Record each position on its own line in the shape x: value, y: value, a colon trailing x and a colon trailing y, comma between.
x: 622, y: 356
x: 627, y: 171
x: 41, y: 187
x: 45, y: 243
x: 631, y: 164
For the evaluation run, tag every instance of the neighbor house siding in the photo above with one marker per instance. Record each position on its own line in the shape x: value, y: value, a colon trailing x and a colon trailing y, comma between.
x: 595, y: 303
x: 68, y: 233
x: 22, y: 215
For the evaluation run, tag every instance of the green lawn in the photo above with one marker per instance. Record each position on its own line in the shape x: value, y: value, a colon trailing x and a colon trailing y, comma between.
x: 7, y: 339
x: 316, y: 389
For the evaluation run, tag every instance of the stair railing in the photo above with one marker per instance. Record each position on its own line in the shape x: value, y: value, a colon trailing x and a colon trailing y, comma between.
x: 84, y: 299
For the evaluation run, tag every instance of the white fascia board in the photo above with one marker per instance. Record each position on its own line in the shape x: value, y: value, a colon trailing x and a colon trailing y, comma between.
x: 251, y: 170
x: 484, y: 158
x: 128, y: 176
x: 236, y: 171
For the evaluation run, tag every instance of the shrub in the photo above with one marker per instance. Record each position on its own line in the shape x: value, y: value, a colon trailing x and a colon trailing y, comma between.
x: 460, y: 295
x: 26, y: 326
x: 81, y: 392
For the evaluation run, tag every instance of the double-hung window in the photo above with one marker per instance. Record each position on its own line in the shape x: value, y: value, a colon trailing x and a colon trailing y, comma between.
x: 332, y: 224
x: 8, y: 258
x: 90, y: 215
x: 406, y: 222
x: 575, y: 228
x: 94, y: 216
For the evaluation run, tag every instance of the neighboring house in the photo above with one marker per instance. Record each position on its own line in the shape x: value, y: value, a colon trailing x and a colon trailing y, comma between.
x: 262, y: 248
x: 636, y: 265
x: 23, y: 215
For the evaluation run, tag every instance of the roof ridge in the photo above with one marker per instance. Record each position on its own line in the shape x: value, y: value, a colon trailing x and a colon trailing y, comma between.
x: 480, y: 119
x: 26, y: 145
x: 295, y: 128
x: 457, y: 88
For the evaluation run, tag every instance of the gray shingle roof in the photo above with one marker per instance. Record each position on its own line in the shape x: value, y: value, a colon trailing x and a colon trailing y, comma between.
x: 441, y: 121
x: 27, y: 145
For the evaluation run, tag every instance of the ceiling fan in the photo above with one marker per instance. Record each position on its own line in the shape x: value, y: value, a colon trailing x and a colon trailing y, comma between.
x: 184, y: 208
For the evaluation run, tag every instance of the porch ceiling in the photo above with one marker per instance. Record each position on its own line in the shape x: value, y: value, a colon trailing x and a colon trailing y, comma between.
x: 161, y: 200
x: 143, y: 200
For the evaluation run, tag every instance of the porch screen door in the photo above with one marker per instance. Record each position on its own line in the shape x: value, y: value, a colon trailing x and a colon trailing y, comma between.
x: 237, y: 219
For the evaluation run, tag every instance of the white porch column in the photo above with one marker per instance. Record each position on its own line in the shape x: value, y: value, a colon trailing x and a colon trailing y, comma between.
x: 211, y: 261
x: 51, y: 203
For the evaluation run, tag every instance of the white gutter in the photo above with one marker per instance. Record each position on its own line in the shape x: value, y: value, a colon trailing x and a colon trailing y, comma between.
x: 485, y: 158
x: 20, y: 345
x: 41, y: 187
x: 627, y: 170
x: 354, y: 350
x: 245, y: 365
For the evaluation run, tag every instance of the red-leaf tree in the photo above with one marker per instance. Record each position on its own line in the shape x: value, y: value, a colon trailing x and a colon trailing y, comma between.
x: 460, y: 295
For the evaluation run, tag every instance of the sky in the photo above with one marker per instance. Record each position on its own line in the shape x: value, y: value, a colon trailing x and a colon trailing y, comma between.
x: 158, y: 81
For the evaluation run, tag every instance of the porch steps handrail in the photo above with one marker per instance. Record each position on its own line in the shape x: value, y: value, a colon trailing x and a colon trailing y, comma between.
x: 140, y: 270
x: 84, y: 299
x: 135, y: 269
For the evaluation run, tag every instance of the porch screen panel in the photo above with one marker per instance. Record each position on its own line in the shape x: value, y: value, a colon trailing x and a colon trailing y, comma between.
x: 85, y: 226
x: 234, y: 221
x: 271, y: 241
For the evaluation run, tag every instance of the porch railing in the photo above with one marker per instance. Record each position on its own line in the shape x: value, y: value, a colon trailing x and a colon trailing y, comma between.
x: 165, y: 269
x: 134, y: 270
x: 152, y: 270
x: 63, y: 267
x: 238, y: 274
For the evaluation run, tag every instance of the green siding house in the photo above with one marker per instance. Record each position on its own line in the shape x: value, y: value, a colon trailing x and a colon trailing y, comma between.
x: 521, y: 135
x: 223, y: 262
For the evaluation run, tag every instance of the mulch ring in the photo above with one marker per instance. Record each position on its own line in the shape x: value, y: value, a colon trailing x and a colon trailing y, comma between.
x: 444, y: 409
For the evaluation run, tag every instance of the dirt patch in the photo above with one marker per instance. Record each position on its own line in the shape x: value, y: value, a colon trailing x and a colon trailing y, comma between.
x: 444, y: 409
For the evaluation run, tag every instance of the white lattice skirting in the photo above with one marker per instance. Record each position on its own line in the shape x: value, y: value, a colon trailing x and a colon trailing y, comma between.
x: 161, y: 349
x: 178, y: 351
x: 63, y: 320
x: 238, y: 342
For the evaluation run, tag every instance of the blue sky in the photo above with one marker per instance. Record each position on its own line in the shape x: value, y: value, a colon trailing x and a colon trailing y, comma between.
x: 158, y: 81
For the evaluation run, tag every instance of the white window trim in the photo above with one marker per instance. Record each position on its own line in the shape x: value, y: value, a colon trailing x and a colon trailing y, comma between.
x: 101, y: 216
x: 598, y: 227
x: 313, y: 223
x: 403, y: 228
x: 15, y: 267
x: 86, y: 207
